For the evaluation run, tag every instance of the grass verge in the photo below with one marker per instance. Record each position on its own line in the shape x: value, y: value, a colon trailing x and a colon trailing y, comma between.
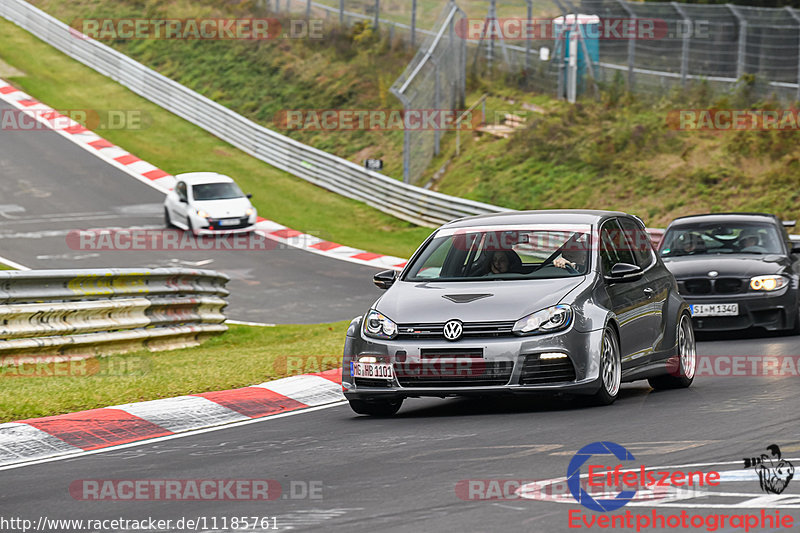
x: 244, y: 355
x: 178, y: 146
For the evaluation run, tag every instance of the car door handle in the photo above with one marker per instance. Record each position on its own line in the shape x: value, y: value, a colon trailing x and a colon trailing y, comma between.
x: 649, y: 292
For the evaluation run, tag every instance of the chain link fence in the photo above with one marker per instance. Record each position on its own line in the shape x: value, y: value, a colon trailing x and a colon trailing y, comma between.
x: 713, y: 44
x: 434, y: 80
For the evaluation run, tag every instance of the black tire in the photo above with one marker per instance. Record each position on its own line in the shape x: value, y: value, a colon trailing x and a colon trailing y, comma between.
x: 795, y: 329
x: 682, y: 365
x: 168, y: 220
x: 610, y: 369
x: 376, y: 407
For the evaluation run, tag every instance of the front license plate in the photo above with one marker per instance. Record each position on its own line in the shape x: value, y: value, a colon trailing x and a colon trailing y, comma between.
x: 371, y: 370
x: 229, y: 222
x: 715, y: 310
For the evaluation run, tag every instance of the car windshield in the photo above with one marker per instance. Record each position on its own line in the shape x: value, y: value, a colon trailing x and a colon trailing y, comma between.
x: 521, y: 252
x: 216, y: 191
x: 721, y: 238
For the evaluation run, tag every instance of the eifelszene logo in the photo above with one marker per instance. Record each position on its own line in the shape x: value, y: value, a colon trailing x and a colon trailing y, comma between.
x: 574, y: 476
x: 624, y: 481
x: 774, y: 473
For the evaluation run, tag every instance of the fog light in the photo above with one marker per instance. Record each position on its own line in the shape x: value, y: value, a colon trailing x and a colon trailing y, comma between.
x: 552, y: 355
x: 368, y: 359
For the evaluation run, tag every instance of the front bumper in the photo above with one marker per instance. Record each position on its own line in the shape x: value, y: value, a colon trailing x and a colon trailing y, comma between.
x: 771, y: 311
x: 496, y: 366
x: 211, y: 226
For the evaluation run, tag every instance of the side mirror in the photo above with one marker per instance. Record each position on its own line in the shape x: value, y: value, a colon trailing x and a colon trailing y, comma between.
x: 183, y: 200
x: 624, y: 272
x: 249, y: 195
x: 385, y: 279
x: 795, y: 247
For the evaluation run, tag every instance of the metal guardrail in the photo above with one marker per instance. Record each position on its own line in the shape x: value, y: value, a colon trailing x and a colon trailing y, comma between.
x: 79, y: 313
x: 338, y: 175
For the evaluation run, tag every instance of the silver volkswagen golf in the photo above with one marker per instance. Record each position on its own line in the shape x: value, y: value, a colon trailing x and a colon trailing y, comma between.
x: 521, y: 302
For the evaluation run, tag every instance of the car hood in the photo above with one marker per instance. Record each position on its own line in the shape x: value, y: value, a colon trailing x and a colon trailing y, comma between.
x: 483, y: 301
x: 232, y: 207
x: 735, y: 265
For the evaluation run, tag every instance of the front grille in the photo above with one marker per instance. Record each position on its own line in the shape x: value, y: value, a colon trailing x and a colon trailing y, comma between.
x: 471, y: 329
x: 712, y: 286
x: 697, y: 286
x: 369, y: 382
x: 215, y: 223
x: 537, y: 371
x: 454, y: 373
x: 451, y: 353
x: 727, y: 285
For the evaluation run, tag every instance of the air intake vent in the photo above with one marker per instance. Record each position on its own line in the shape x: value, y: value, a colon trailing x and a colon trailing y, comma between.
x: 465, y: 298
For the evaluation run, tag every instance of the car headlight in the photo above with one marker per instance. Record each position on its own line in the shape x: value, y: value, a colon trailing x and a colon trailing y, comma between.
x: 768, y: 283
x: 551, y: 319
x: 201, y: 213
x: 249, y: 211
x: 378, y: 326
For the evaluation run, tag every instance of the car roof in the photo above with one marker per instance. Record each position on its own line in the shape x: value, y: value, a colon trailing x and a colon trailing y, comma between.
x: 197, y: 178
x: 725, y: 217
x: 546, y: 216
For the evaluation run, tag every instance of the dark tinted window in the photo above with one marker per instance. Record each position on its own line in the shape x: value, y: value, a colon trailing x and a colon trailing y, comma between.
x: 216, y: 191
x: 614, y: 246
x: 709, y: 238
x: 640, y: 242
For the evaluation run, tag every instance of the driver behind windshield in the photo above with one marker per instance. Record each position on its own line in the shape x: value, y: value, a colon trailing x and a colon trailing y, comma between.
x: 750, y: 241
x: 573, y: 257
x: 691, y: 243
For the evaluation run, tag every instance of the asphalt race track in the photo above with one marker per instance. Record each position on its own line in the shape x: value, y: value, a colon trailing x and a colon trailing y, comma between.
x: 341, y: 472
x: 49, y: 186
x: 401, y: 474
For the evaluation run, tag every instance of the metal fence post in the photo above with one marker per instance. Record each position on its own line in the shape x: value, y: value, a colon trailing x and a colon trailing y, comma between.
x: 341, y: 12
x: 413, y: 24
x: 377, y: 13
x: 491, y: 19
x: 437, y: 104
x: 741, y: 60
x: 688, y: 30
x: 528, y: 43
x: 308, y: 9
x: 796, y: 17
x: 631, y: 46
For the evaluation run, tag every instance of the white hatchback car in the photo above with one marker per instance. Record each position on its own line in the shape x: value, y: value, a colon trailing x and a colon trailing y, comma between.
x: 207, y: 203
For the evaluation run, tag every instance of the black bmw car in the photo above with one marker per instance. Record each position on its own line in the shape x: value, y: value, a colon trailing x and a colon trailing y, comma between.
x: 736, y: 270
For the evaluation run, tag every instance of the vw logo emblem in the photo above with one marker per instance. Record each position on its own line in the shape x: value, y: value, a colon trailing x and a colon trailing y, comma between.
x: 453, y: 330
x: 713, y: 274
